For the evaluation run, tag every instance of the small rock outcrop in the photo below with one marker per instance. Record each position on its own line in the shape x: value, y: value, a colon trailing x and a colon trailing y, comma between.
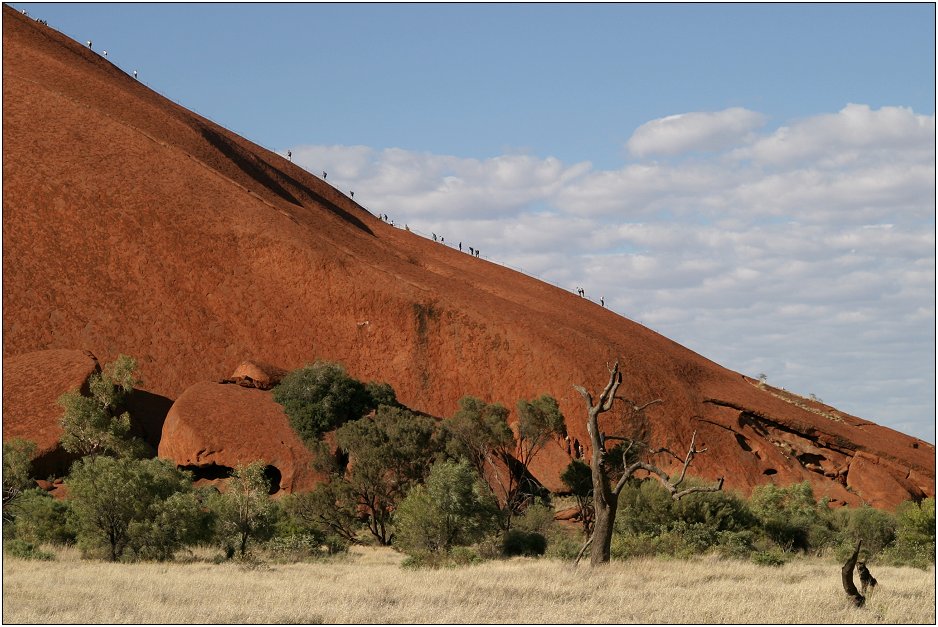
x: 214, y: 427
x: 256, y: 374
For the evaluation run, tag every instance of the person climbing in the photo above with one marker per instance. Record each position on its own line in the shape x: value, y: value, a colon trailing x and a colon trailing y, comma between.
x: 477, y: 252
x: 460, y: 246
x: 324, y: 175
x: 352, y: 193
x: 602, y: 302
x: 289, y: 155
x: 104, y: 52
x: 135, y: 73
x: 442, y: 239
x: 89, y: 43
x: 472, y: 251
x: 434, y: 237
x: 406, y: 228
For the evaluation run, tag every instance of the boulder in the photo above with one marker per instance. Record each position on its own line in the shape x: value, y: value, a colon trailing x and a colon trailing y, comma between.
x: 214, y: 427
x: 32, y: 383
x: 256, y: 374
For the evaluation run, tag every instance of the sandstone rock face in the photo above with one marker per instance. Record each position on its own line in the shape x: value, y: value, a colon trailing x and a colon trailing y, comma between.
x: 319, y: 277
x: 214, y: 427
x: 32, y: 383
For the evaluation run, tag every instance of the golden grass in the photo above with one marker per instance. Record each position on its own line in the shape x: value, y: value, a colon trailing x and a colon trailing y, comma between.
x: 369, y: 586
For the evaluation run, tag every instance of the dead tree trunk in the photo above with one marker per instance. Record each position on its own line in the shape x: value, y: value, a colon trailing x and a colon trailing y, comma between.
x: 605, y: 495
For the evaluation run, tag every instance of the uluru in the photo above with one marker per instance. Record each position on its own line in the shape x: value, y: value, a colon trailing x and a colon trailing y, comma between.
x: 134, y: 226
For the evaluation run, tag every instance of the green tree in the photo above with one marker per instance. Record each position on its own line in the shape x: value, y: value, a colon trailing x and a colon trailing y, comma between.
x: 127, y: 503
x: 320, y: 397
x: 244, y: 511
x: 452, y: 509
x: 388, y: 453
x: 17, y: 468
x: 539, y: 420
x: 95, y: 424
x: 479, y: 433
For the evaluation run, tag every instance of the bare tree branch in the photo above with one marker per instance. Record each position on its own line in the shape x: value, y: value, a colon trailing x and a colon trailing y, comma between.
x: 582, y: 552
x: 586, y: 395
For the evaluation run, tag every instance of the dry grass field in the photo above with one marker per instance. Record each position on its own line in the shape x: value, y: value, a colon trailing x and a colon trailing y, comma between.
x: 369, y: 586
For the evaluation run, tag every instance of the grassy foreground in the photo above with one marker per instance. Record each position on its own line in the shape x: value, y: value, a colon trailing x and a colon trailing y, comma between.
x: 369, y: 586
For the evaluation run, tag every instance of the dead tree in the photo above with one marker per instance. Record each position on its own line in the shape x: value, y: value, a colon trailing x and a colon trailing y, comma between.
x: 846, y: 576
x: 605, y: 495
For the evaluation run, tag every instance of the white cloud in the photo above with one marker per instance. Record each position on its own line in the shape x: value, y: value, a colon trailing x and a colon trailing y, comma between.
x: 699, y: 131
x: 807, y: 253
x: 840, y: 136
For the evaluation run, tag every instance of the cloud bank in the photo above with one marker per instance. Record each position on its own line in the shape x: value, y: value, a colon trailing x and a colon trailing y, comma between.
x: 806, y: 252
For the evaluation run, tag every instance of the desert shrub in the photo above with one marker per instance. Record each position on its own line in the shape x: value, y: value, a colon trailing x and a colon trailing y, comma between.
x: 17, y: 472
x: 537, y: 518
x: 329, y: 509
x: 915, y: 535
x: 787, y: 514
x: 563, y: 545
x: 144, y: 505
x: 453, y: 558
x: 244, y: 512
x: 718, y: 511
x: 735, y: 544
x: 451, y: 509
x: 26, y: 550
x: 41, y: 519
x: 772, y: 557
x: 173, y: 522
x: 645, y: 507
x: 874, y: 527
x: 640, y: 544
x: 320, y: 397
x: 521, y: 542
x: 296, y: 547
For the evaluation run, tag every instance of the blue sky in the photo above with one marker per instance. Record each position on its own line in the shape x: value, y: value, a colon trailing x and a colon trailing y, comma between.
x: 756, y: 182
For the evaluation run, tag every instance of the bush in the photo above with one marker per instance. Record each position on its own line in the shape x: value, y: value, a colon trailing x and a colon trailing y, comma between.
x: 144, y: 505
x: 26, y: 550
x: 41, y: 519
x: 455, y: 557
x: 296, y: 547
x: 520, y: 542
x: 452, y: 509
x: 772, y: 557
x: 874, y: 527
x: 735, y: 544
x: 320, y: 397
x: 563, y: 545
x: 788, y: 514
x: 244, y: 511
x: 915, y: 535
x: 537, y: 518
